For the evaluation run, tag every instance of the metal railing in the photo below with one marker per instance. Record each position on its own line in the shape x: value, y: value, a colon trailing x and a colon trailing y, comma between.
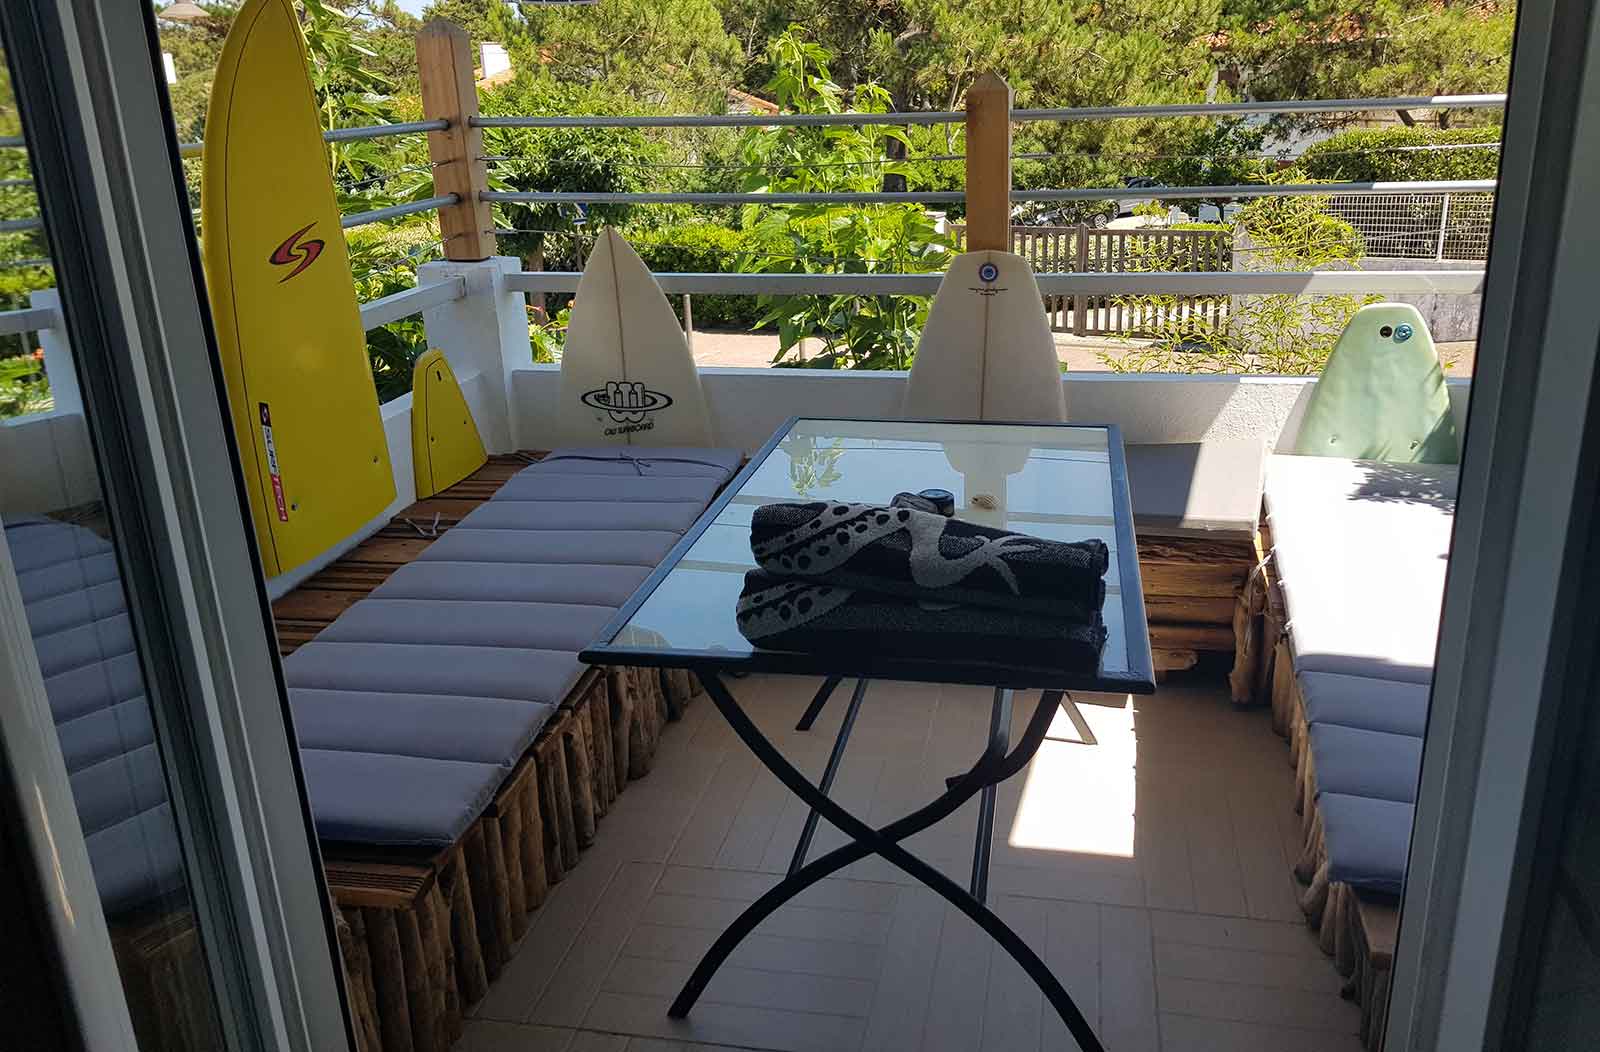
x: 1151, y: 283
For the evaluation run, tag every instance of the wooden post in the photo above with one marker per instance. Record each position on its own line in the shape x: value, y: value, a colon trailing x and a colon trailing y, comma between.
x: 989, y: 165
x: 450, y: 92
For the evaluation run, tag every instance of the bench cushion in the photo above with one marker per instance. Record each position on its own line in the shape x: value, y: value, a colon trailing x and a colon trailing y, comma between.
x: 621, y: 489
x: 414, y: 705
x: 579, y: 583
x: 531, y: 626
x: 1365, y: 763
x: 610, y: 547
x: 1361, y: 553
x: 449, y: 669
x: 1187, y: 488
x: 444, y: 727
x: 540, y: 515
x: 77, y: 616
x: 1368, y: 841
x: 1392, y: 706
x: 396, y: 801
x: 679, y: 461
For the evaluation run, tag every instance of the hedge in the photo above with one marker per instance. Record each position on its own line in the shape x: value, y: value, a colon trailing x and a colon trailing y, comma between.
x: 1364, y: 155
x: 701, y: 248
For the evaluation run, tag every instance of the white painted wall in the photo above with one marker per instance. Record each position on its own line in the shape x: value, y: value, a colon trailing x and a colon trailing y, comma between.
x: 748, y: 405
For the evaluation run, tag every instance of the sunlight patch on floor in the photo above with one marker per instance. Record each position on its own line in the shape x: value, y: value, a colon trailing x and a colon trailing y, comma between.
x: 1080, y: 798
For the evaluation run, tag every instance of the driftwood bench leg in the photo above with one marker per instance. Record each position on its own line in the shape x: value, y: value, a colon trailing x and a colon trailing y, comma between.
x: 472, y: 977
x: 352, y: 930
x: 575, y: 742
x: 619, y: 696
x: 555, y: 799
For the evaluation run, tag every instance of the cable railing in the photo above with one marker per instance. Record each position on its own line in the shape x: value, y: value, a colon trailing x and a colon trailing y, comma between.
x: 480, y: 193
x: 1075, y: 113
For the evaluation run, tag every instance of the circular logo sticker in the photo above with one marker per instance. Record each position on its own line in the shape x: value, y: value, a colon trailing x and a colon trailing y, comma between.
x: 988, y: 272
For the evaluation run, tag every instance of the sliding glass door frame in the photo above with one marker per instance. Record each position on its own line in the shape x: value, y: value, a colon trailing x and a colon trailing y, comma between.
x: 1517, y: 633
x: 110, y: 187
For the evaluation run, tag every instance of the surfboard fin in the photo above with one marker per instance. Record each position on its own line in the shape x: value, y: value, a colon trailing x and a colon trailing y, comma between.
x: 1381, y: 395
x: 445, y: 444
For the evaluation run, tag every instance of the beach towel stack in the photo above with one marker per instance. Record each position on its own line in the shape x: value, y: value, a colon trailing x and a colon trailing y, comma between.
x: 896, y: 581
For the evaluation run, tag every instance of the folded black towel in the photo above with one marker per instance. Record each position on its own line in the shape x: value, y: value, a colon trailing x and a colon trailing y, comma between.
x: 905, y: 552
x: 790, y: 614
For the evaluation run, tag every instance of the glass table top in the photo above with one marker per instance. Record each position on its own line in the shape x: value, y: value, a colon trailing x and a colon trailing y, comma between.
x: 1064, y: 482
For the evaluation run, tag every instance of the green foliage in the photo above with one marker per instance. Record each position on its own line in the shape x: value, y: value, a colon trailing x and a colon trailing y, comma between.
x: 672, y: 55
x: 1313, y: 49
x: 703, y: 248
x: 1402, y: 154
x: 1280, y: 334
x: 549, y: 338
x: 597, y: 160
x: 855, y: 331
x: 23, y: 386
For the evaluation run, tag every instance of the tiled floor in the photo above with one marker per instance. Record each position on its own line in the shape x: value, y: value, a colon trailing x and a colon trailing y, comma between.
x: 1149, y: 870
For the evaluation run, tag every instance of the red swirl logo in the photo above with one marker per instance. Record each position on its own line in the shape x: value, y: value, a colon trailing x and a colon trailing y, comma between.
x: 300, y: 255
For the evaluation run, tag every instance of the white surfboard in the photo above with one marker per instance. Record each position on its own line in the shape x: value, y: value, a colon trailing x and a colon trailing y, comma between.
x: 986, y: 352
x: 627, y: 377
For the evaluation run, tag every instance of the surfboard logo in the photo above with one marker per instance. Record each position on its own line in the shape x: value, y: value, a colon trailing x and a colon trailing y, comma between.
x: 628, y: 403
x: 988, y: 273
x: 296, y: 253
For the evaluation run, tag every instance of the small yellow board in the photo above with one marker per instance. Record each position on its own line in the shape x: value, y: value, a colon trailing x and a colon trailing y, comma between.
x: 300, y: 390
x: 445, y: 444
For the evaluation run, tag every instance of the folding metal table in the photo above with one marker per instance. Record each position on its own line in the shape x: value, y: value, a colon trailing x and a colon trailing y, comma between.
x: 1063, y: 481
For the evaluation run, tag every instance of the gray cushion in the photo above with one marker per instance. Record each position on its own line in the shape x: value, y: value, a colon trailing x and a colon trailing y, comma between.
x: 634, y: 489
x: 118, y: 787
x: 77, y: 607
x: 478, y: 671
x: 91, y: 687
x: 615, y: 547
x: 105, y: 732
x: 413, y: 705
x: 538, y: 515
x: 445, y: 727
x: 67, y: 577
x: 1393, y: 706
x: 1205, y: 488
x: 1361, y: 556
x: 534, y: 626
x: 580, y: 583
x: 137, y: 860
x: 1368, y: 841
x: 395, y: 801
x: 679, y: 461
x: 87, y: 644
x: 1366, y: 763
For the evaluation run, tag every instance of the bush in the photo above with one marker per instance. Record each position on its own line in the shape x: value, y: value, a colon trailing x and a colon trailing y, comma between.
x: 1385, y: 154
x: 702, y: 248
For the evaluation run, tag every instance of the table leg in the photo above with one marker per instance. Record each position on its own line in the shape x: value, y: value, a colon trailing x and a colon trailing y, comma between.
x: 828, y: 774
x: 999, y: 738
x: 992, y: 768
x: 814, y: 709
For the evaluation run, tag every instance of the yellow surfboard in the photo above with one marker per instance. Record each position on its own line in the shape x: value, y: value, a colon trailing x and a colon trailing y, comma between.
x: 305, y: 411
x: 445, y: 444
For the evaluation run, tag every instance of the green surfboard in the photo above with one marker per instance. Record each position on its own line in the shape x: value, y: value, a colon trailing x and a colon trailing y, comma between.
x: 1381, y: 395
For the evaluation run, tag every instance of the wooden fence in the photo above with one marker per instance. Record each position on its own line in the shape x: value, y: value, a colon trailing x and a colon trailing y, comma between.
x: 1082, y: 249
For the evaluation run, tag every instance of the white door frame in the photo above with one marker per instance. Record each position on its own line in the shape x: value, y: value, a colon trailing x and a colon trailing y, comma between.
x: 1521, y: 535
x: 133, y: 303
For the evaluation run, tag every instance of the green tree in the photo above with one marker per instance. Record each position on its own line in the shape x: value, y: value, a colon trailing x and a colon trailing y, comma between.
x: 855, y: 331
x: 1308, y: 49
x: 663, y: 54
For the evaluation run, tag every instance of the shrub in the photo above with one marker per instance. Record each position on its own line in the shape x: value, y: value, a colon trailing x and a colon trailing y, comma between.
x: 702, y: 248
x: 1388, y: 154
